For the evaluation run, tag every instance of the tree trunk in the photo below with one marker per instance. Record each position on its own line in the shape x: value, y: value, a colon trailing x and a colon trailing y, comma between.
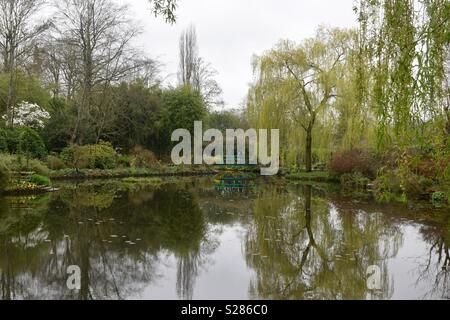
x: 447, y: 128
x: 10, y: 99
x: 308, y: 149
x: 447, y: 124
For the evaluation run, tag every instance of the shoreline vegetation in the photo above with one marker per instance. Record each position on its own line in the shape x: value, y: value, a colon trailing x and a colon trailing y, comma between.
x: 37, y: 177
x: 358, y: 171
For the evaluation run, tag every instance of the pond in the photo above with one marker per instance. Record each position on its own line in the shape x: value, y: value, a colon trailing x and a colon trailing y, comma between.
x: 201, y: 238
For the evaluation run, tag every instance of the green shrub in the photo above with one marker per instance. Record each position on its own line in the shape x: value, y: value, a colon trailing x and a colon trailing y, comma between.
x: 3, y: 140
x: 13, y: 138
x: 98, y: 156
x: 387, y: 186
x: 39, y: 180
x: 31, y: 144
x: 416, y: 186
x: 143, y: 158
x: 17, y: 163
x: 402, y: 182
x: 439, y: 199
x: 78, y: 157
x: 9, y: 161
x: 4, y: 175
x: 124, y: 161
x: 55, y: 163
x: 57, y: 131
x: 67, y: 154
x: 354, y: 181
x: 105, y: 156
x: 35, y: 166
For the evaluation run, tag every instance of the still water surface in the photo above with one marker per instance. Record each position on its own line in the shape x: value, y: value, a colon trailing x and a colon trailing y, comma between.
x: 190, y: 239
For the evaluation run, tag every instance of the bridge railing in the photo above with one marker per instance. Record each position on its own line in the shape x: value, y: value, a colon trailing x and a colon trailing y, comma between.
x: 233, y: 161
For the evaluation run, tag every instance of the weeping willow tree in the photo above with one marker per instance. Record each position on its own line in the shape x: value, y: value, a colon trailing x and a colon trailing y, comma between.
x: 383, y: 85
x: 354, y: 121
x: 404, y: 48
x: 296, y: 90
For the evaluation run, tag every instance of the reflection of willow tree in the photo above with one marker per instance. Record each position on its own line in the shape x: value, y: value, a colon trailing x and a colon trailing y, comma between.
x: 65, y: 233
x: 305, y: 248
x: 436, y: 266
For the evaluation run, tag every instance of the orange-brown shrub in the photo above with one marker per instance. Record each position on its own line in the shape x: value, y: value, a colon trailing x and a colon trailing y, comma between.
x: 142, y: 158
x: 352, y: 161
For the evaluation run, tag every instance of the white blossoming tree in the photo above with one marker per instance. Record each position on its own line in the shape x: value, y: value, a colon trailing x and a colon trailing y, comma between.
x: 28, y: 114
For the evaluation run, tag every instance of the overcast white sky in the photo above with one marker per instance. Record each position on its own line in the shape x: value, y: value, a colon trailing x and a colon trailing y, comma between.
x: 230, y: 32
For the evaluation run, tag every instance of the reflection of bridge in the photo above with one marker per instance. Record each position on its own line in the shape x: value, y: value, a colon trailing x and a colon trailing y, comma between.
x: 232, y: 183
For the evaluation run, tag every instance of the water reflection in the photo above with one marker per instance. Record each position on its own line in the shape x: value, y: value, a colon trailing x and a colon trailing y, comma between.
x: 229, y: 184
x: 316, y: 252
x: 174, y: 239
x: 115, y: 237
x: 435, y: 266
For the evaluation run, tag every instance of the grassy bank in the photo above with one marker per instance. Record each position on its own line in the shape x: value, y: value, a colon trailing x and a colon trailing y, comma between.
x: 27, y: 183
x: 160, y: 171
x: 318, y: 176
x: 384, y: 188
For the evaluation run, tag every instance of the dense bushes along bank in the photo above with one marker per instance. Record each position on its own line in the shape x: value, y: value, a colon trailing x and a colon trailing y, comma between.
x: 30, y: 170
x: 415, y: 176
x: 19, y: 178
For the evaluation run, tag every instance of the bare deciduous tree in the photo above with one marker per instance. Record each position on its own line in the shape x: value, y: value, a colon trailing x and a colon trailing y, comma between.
x: 195, y: 72
x: 205, y: 82
x: 99, y: 33
x: 188, y: 55
x: 17, y: 35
